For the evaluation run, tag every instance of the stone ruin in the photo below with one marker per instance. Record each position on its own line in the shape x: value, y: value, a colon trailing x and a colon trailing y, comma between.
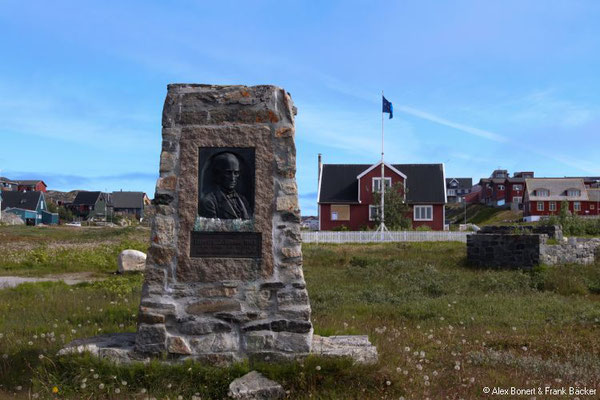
x: 223, y: 278
x: 524, y: 247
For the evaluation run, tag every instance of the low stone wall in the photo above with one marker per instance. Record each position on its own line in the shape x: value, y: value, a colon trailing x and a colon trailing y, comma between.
x: 500, y: 247
x: 506, y: 251
x: 572, y: 251
x: 553, y: 231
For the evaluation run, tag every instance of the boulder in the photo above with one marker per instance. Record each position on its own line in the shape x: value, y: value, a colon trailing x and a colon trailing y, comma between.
x: 131, y: 261
x: 9, y: 218
x: 254, y: 386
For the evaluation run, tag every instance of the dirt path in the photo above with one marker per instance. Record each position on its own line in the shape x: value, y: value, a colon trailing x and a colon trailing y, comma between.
x: 69, y: 279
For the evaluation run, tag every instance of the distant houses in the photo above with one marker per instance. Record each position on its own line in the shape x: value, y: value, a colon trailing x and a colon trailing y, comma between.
x: 458, y: 188
x: 129, y: 203
x: 22, y: 185
x: 99, y: 205
x: 88, y: 205
x: 30, y: 206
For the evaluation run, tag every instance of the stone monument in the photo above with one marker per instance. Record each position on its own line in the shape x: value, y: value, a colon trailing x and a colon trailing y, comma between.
x: 224, y: 277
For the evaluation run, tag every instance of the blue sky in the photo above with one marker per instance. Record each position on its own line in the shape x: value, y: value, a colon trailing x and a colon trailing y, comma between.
x: 475, y: 84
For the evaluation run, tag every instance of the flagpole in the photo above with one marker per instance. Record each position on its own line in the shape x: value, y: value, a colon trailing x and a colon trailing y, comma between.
x: 382, y: 183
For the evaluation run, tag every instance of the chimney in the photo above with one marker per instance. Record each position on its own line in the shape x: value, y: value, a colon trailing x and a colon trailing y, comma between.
x: 319, y: 171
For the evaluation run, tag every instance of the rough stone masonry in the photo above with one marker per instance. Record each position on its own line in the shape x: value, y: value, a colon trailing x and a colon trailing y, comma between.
x: 223, y: 277
x: 226, y: 289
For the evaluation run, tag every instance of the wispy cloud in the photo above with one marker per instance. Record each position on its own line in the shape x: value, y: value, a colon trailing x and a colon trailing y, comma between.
x: 442, y: 121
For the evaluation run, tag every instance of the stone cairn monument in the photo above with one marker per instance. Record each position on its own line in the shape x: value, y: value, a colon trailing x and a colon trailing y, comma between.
x: 223, y: 277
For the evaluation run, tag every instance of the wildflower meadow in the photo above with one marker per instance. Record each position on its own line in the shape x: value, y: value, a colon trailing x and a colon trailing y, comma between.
x: 443, y: 329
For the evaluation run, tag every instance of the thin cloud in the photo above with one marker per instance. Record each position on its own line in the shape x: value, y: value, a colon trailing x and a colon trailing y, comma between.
x: 442, y: 121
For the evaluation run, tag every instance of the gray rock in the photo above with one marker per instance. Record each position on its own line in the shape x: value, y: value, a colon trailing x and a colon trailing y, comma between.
x: 356, y: 347
x: 131, y: 261
x: 254, y: 386
x: 117, y: 347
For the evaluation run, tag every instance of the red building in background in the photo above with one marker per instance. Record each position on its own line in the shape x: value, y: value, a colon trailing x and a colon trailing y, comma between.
x: 345, y: 196
x: 31, y: 186
x: 545, y: 196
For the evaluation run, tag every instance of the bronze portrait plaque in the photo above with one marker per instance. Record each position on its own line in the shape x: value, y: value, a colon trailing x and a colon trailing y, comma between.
x: 226, y: 182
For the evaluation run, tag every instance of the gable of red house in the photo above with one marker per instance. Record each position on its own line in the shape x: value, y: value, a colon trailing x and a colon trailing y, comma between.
x: 345, y: 196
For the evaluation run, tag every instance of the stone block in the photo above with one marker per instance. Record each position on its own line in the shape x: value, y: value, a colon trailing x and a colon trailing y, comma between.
x: 293, y: 342
x: 287, y: 203
x: 163, y: 230
x: 167, y: 183
x: 213, y: 306
x: 259, y: 340
x: 291, y: 252
x: 167, y: 162
x: 215, y: 343
x: 161, y: 255
x: 204, y: 326
x: 150, y: 318
x: 177, y: 345
x: 254, y: 386
x: 150, y: 339
x: 293, y: 297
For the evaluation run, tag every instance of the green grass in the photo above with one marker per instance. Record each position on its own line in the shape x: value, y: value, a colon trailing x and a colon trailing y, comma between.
x: 420, y: 304
x: 28, y: 251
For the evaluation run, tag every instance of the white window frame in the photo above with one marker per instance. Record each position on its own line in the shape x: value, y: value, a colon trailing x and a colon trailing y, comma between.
x: 334, y: 215
x: 452, y: 192
x: 386, y: 179
x: 517, y: 199
x: 552, y: 206
x: 540, y: 206
x: 517, y: 188
x: 371, y: 207
x: 500, y: 187
x: 542, y: 192
x: 573, y: 193
x: 417, y: 211
x: 576, y: 206
x: 592, y: 206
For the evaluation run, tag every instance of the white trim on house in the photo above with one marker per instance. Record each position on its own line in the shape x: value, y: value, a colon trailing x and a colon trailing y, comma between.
x: 424, y: 207
x: 444, y: 180
x: 320, y: 181
x: 370, y: 207
x: 376, y: 165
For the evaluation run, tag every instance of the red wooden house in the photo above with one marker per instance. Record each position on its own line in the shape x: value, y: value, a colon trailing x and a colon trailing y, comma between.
x: 31, y: 186
x: 544, y: 197
x: 345, y: 196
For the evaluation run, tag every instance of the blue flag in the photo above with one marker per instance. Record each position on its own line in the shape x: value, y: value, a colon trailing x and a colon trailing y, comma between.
x: 387, y: 107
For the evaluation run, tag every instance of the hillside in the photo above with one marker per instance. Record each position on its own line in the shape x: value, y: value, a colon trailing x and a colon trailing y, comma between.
x: 481, y: 215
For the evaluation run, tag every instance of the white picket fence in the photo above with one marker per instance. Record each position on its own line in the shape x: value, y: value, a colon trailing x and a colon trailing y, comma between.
x: 375, y: 237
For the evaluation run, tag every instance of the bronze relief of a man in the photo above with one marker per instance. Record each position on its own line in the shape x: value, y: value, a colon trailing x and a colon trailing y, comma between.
x: 225, y: 202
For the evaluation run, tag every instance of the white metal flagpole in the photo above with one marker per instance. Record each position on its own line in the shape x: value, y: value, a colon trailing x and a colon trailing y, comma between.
x: 382, y: 183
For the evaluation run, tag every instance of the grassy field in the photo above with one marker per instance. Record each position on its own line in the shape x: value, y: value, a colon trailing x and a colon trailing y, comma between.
x: 37, y: 251
x: 443, y: 330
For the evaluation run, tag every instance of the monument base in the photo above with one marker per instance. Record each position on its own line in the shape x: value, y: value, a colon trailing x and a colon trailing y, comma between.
x: 119, y: 348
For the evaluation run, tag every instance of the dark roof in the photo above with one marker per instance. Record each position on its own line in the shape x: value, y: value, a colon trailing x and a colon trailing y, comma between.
x: 24, y: 200
x: 5, y: 179
x: 30, y: 182
x: 462, y: 182
x: 424, y: 182
x: 86, y: 198
x: 127, y: 199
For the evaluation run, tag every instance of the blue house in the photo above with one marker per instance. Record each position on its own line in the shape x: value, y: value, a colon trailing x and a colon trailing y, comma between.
x: 30, y: 206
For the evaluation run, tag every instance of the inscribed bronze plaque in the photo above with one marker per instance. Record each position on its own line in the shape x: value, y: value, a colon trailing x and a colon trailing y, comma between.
x: 226, y: 244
